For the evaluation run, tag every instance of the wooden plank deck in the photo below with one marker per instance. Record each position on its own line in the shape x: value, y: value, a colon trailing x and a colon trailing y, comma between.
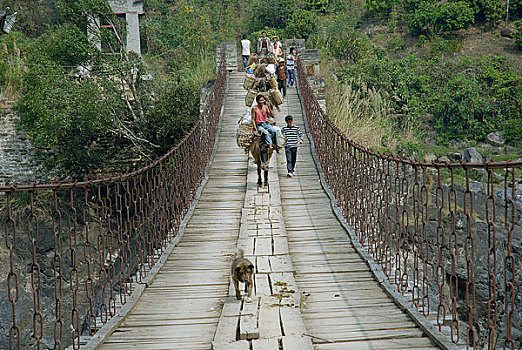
x: 272, y: 320
x: 342, y: 305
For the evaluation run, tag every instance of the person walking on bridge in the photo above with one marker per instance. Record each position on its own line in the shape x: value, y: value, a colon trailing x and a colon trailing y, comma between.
x: 260, y: 114
x: 290, y: 65
x: 294, y: 137
x: 282, y: 74
x: 264, y: 45
x: 246, y: 50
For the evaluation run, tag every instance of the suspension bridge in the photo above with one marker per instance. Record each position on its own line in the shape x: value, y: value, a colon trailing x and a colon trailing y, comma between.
x: 359, y: 251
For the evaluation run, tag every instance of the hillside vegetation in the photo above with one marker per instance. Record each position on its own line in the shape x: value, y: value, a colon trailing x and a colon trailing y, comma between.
x: 435, y: 71
x: 98, y: 113
x: 400, y: 71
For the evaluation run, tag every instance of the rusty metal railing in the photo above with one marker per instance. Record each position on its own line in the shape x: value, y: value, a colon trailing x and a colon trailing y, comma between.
x: 71, y: 251
x: 444, y: 234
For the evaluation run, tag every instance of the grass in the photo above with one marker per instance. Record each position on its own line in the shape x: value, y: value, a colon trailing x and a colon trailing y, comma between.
x: 363, y: 114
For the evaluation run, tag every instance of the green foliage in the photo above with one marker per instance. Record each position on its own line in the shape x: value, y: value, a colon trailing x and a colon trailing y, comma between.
x: 461, y: 110
x: 351, y: 46
x: 518, y: 35
x: 468, y: 98
x: 302, y: 24
x: 66, y: 117
x: 513, y: 131
x: 316, y: 5
x: 77, y: 12
x: 271, y: 14
x: 438, y: 17
x: 380, y: 7
x: 397, y: 43
x: 10, y: 65
x: 179, y: 31
x: 490, y: 10
x: 66, y: 45
x: 34, y: 16
x: 173, y: 115
x: 439, y: 46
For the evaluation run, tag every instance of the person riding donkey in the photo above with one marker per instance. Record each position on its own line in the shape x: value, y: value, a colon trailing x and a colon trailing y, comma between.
x: 260, y: 113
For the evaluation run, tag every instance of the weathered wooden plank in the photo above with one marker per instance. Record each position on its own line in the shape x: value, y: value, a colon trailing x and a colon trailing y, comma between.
x: 296, y: 343
x: 262, y: 264
x: 269, y: 323
x: 280, y: 245
x: 237, y: 345
x: 285, y: 288
x: 247, y: 245
x: 228, y: 321
x: 263, y: 246
x: 281, y: 263
x: 292, y: 321
x: 248, y: 328
x: 265, y: 344
x: 262, y: 285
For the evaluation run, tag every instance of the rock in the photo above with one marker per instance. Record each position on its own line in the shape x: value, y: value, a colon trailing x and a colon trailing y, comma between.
x: 457, y: 144
x: 510, y: 149
x: 444, y: 159
x: 456, y: 157
x: 471, y: 155
x: 496, y: 138
x: 431, y: 138
x: 430, y: 158
x: 488, y: 158
x: 506, y: 33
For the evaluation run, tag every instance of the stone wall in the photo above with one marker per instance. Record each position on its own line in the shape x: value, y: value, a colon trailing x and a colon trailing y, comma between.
x: 18, y: 162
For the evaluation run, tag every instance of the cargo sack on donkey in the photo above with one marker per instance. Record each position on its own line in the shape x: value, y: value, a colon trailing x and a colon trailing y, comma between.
x: 249, y: 82
x: 245, y: 131
x: 281, y: 139
x: 275, y: 97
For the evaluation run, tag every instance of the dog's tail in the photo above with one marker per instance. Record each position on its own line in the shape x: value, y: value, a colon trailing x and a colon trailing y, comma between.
x: 239, y: 253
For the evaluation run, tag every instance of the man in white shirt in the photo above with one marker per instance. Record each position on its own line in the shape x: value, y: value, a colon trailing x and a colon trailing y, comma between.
x: 246, y: 49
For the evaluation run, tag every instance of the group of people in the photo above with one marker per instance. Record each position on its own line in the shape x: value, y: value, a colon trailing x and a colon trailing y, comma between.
x: 264, y: 47
x: 285, y: 74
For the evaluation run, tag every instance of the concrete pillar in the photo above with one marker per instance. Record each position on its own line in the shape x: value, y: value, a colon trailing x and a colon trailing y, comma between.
x: 132, y: 9
x: 133, y: 32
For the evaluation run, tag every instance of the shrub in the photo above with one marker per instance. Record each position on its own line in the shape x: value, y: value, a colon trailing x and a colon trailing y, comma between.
x: 66, y: 45
x: 271, y: 13
x: 316, y: 5
x: 350, y: 46
x: 176, y: 109
x: 302, y: 24
x: 380, y: 7
x: 513, y: 131
x: 518, y: 35
x: 461, y: 111
x: 440, y: 17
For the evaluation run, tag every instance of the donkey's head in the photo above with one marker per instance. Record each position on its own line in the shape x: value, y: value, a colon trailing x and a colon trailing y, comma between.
x: 264, y: 153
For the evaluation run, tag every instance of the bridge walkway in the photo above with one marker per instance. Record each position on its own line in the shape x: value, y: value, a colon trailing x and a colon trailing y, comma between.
x: 312, y: 290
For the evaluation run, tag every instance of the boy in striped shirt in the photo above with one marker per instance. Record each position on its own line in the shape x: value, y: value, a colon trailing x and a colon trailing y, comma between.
x: 294, y: 137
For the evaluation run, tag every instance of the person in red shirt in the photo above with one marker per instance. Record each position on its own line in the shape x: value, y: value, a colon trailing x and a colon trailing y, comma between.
x: 260, y: 113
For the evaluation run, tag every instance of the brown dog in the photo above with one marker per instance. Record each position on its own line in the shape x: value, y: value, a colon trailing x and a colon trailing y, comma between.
x: 242, y: 271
